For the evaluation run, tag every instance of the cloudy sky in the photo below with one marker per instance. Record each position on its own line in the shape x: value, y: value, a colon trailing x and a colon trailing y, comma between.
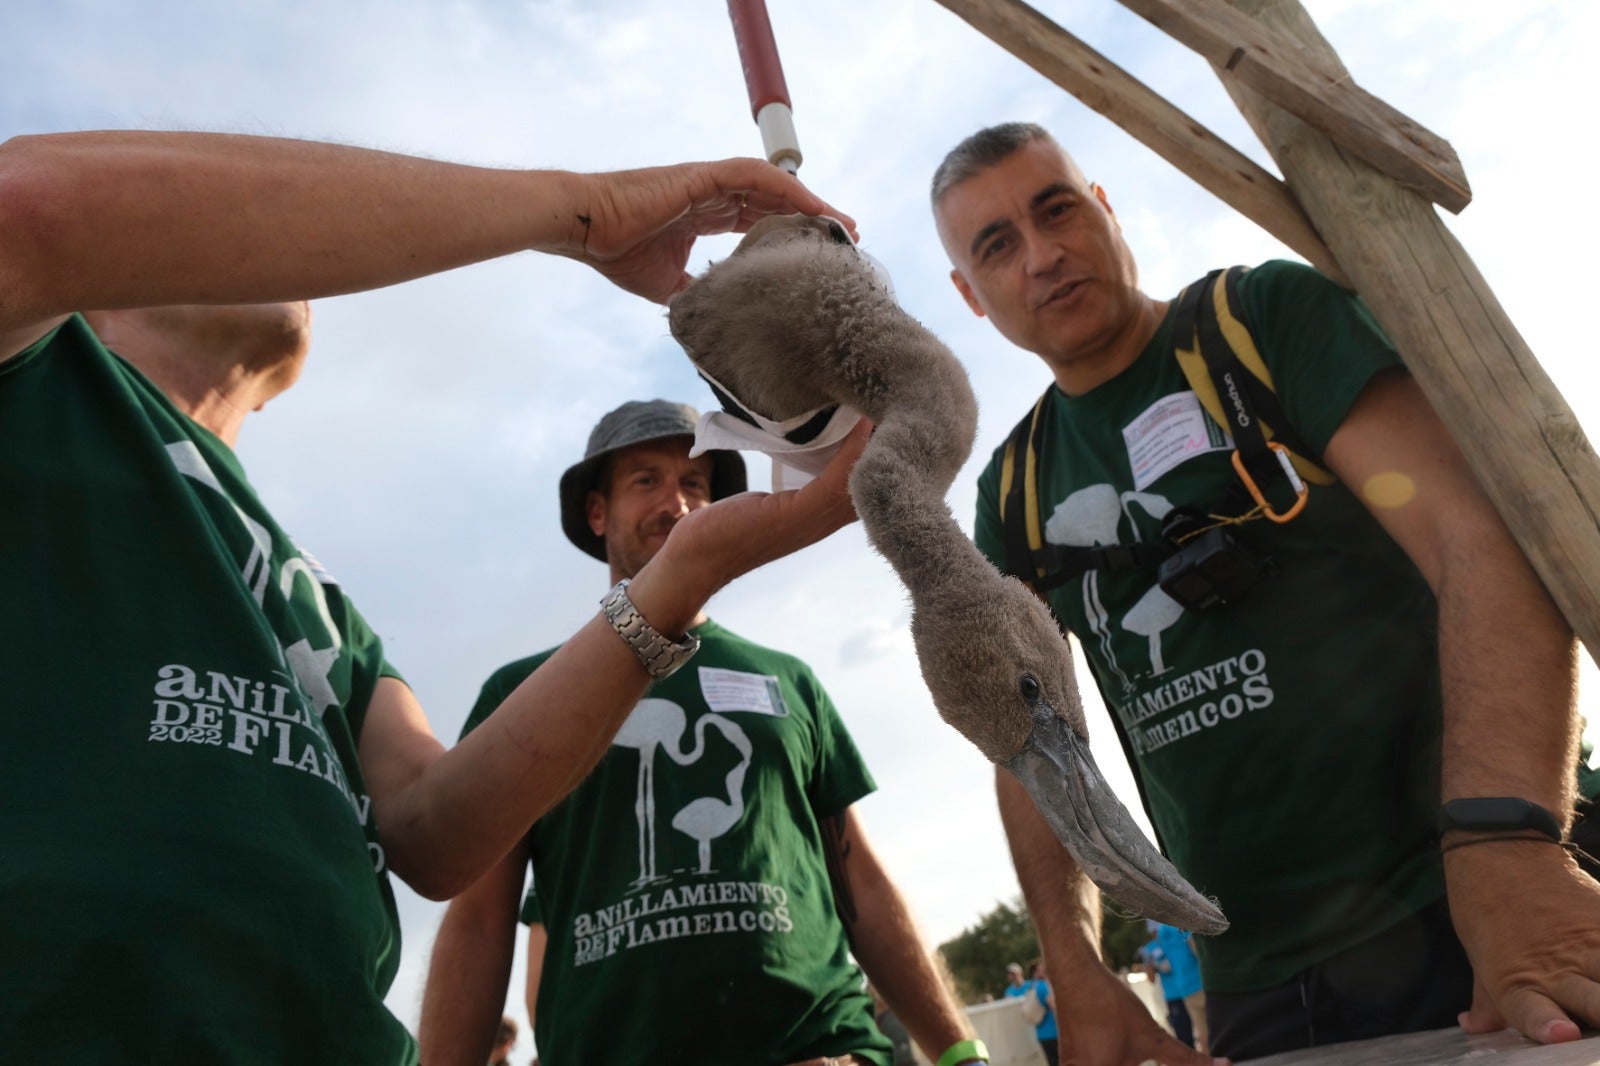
x: 419, y: 456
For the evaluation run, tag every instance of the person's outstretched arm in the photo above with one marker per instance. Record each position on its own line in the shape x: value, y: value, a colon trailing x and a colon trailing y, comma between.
x: 142, y: 219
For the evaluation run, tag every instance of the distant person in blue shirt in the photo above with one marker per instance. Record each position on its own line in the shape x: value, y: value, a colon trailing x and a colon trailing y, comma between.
x: 1172, y: 954
x: 1154, y: 963
x: 1045, y: 1028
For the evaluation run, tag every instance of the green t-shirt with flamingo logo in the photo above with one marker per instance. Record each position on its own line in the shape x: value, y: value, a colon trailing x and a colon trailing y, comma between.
x: 684, y: 886
x: 189, y: 866
x: 1287, y: 746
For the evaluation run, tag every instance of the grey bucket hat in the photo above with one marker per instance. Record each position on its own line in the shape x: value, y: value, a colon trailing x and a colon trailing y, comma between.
x: 635, y: 422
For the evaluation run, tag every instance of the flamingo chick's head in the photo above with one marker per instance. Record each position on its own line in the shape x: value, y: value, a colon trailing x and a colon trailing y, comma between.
x: 781, y: 229
x: 1001, y: 674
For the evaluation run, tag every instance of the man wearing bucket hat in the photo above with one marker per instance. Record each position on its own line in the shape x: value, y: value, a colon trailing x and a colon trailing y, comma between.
x: 637, y: 423
x: 707, y: 881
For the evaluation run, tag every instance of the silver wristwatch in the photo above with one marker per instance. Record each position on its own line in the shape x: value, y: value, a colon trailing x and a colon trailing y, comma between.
x: 661, y: 657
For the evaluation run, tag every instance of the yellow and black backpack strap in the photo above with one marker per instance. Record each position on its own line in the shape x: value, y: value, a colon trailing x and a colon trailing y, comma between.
x: 1213, y: 344
x: 1219, y: 359
x: 1019, y: 495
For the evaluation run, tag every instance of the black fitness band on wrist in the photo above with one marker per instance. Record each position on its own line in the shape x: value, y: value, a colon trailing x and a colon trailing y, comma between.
x: 1497, y: 814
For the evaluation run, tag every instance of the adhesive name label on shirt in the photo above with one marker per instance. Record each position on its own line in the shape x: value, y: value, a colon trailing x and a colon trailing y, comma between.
x: 1170, y: 431
x: 736, y: 690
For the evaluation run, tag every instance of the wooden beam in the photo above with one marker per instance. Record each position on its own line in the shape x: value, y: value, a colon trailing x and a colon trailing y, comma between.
x: 1177, y: 138
x: 1302, y: 83
x: 1519, y: 435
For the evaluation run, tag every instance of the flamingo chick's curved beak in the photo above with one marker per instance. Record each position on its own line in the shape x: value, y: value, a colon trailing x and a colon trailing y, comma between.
x: 1058, y: 772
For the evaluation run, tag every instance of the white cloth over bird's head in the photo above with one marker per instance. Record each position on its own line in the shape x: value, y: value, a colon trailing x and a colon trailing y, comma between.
x: 798, y: 447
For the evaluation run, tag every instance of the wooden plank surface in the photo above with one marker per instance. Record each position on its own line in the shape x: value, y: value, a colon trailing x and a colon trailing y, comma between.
x: 1300, y: 82
x: 1520, y: 437
x: 1176, y: 137
x: 1442, y: 1047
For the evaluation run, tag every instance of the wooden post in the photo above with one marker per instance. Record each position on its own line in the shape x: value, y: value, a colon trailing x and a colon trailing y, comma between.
x: 1516, y: 431
x: 1298, y: 81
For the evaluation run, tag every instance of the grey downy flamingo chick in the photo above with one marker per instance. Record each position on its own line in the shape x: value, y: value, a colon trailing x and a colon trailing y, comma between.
x: 795, y: 320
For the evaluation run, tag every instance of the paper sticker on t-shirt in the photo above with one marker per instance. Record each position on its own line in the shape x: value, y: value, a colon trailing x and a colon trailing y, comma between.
x: 1172, y: 430
x: 735, y: 690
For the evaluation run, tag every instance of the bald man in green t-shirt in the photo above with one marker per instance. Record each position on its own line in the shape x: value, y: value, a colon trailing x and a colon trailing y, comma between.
x: 1293, y: 747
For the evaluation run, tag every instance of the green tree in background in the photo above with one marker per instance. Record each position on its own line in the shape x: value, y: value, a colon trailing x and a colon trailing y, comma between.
x: 977, y: 958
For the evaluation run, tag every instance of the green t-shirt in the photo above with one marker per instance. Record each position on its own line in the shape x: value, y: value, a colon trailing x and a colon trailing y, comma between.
x: 1287, y: 746
x: 683, y: 884
x: 189, y: 871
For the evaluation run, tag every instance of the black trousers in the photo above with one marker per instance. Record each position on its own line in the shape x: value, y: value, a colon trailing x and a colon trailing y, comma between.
x: 1412, y: 977
x: 1178, y: 1018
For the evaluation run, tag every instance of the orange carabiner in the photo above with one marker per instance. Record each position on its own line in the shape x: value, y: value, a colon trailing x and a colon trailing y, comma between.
x: 1284, y: 461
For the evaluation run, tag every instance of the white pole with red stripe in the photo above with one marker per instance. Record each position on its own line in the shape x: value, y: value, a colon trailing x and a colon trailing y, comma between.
x: 763, y: 77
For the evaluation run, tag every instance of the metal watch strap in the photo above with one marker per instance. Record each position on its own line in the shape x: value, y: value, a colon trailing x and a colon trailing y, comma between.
x: 661, y: 656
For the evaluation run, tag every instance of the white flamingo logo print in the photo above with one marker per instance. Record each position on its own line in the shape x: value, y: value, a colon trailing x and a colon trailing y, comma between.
x: 658, y: 724
x: 1092, y: 517
x: 708, y: 817
x: 310, y: 666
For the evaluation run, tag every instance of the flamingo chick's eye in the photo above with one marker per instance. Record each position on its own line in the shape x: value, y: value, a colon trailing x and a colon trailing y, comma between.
x: 1029, y: 686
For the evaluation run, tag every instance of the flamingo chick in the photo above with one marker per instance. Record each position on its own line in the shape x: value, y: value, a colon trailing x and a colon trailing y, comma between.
x: 795, y: 320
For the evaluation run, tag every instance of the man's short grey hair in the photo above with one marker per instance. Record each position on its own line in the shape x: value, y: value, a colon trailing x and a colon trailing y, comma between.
x: 981, y: 151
